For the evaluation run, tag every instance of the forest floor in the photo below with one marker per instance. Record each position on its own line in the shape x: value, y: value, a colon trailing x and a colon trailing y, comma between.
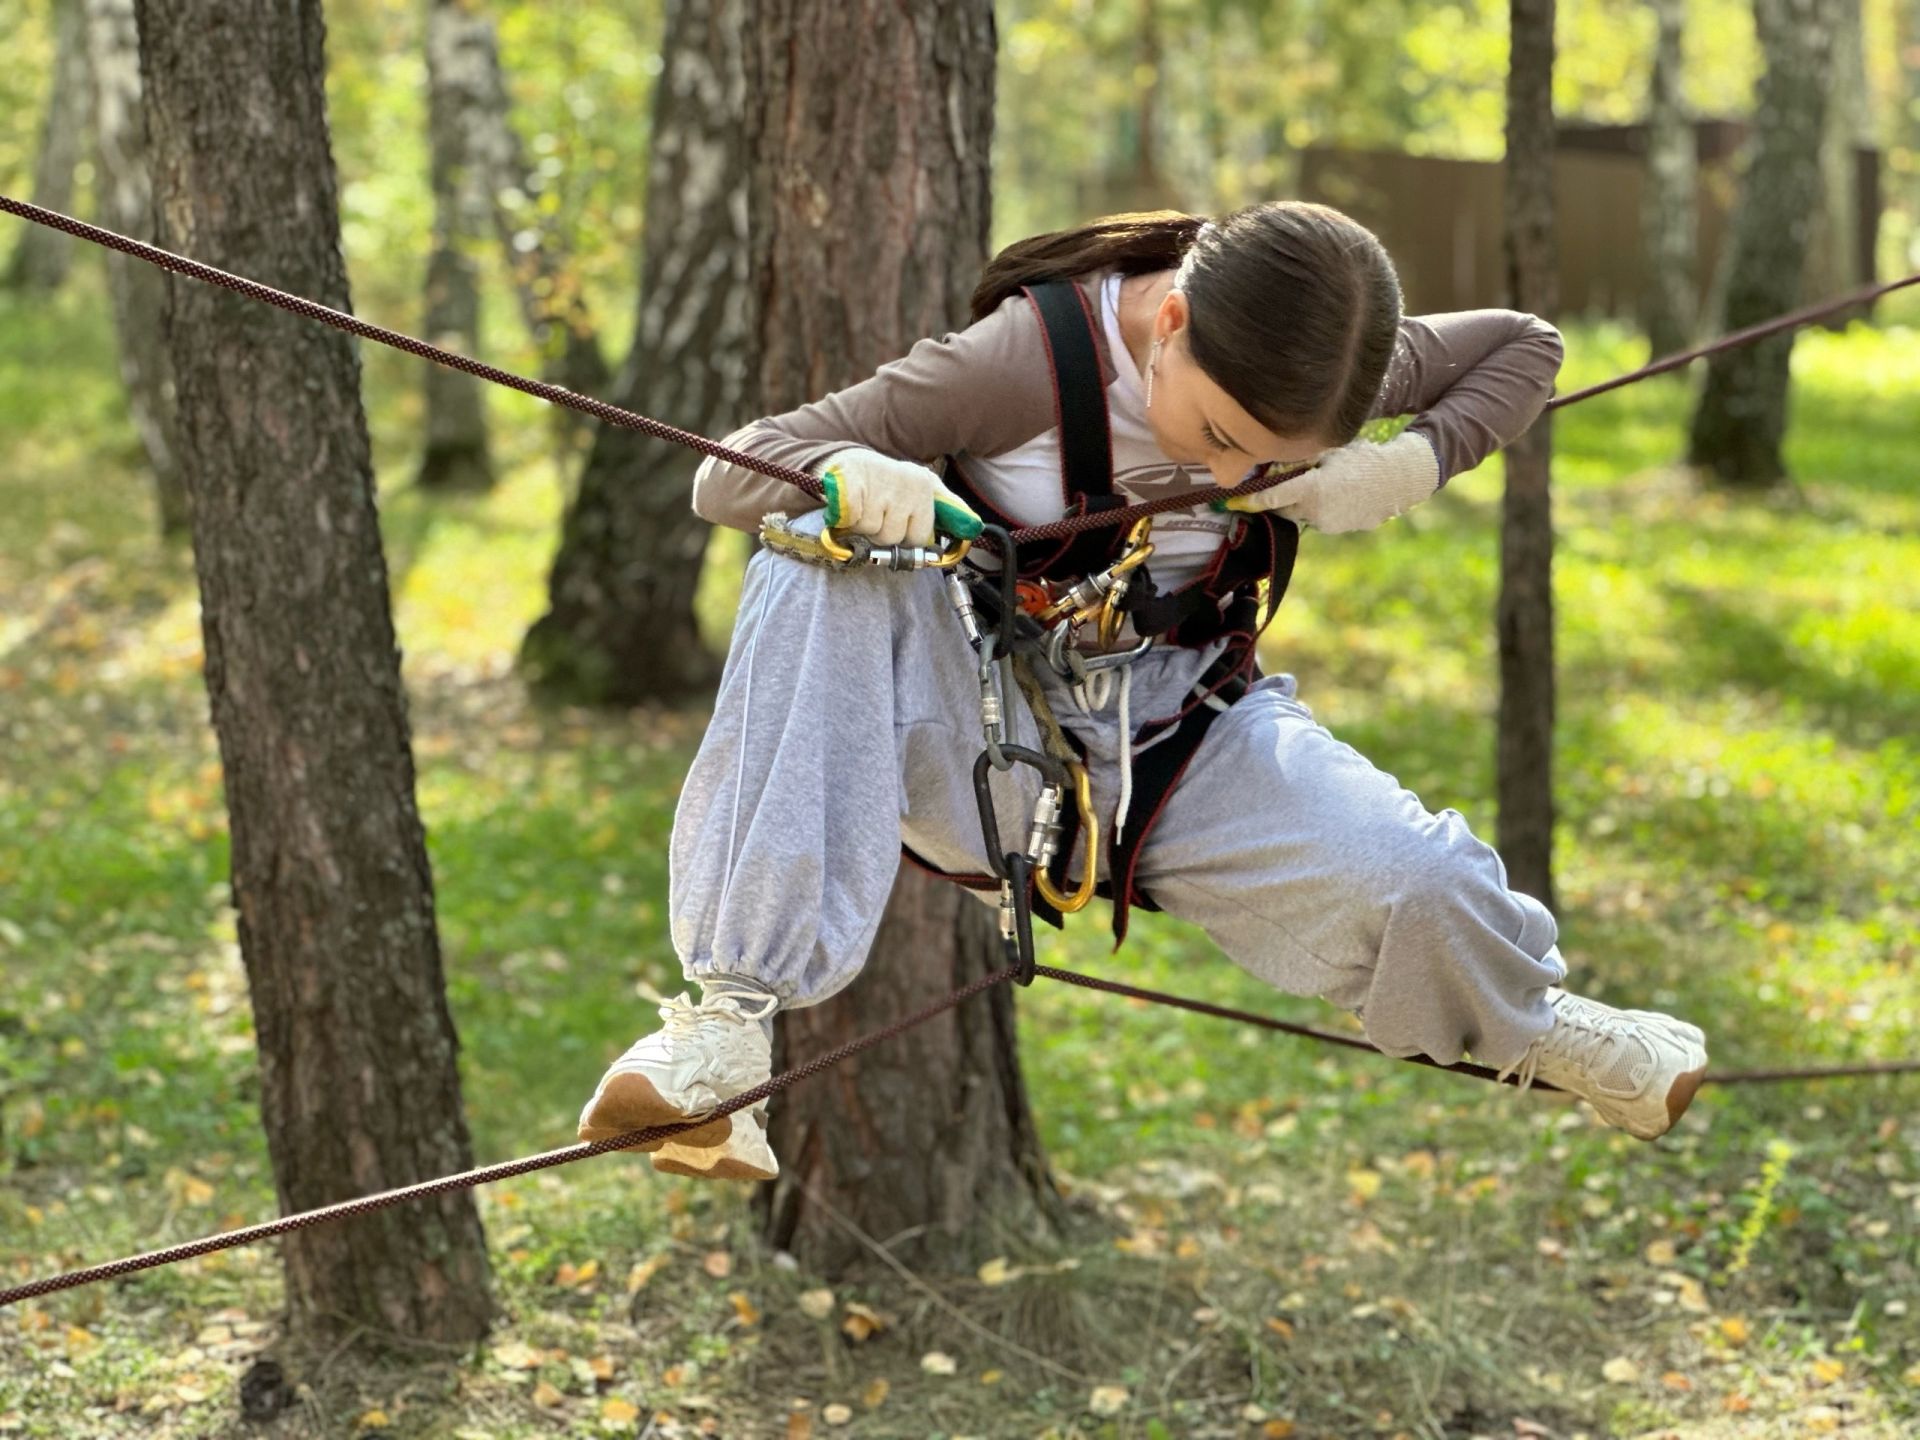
x: 1278, y: 1240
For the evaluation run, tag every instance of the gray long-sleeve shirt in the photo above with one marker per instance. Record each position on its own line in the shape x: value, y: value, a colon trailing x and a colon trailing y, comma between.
x: 1474, y: 381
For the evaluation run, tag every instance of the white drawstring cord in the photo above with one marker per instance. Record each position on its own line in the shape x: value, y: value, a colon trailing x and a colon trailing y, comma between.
x: 1126, y: 751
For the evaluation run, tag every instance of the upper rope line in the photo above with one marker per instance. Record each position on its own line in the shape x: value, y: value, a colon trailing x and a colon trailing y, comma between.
x: 1060, y: 529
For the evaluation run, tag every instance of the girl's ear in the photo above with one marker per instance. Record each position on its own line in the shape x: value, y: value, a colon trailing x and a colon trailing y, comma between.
x: 1172, y: 316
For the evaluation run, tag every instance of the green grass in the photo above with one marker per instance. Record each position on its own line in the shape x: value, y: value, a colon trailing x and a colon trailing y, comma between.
x: 1349, y: 1246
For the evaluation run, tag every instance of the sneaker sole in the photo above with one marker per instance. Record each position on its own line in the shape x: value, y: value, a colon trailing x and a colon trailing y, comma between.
x: 726, y: 1168
x: 630, y: 1102
x: 1680, y: 1094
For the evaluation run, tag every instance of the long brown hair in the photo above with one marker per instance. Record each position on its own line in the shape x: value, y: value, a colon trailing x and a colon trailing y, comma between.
x: 1294, y: 306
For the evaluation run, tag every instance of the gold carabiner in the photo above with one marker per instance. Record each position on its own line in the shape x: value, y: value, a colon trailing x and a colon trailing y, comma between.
x: 1111, y: 617
x: 842, y: 554
x: 1090, y: 827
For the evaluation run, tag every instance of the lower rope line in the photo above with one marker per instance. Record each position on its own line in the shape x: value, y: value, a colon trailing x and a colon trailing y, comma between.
x: 487, y: 1174
x: 507, y: 1170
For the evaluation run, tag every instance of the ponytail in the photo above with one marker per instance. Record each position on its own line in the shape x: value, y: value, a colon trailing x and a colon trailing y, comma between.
x: 1134, y: 244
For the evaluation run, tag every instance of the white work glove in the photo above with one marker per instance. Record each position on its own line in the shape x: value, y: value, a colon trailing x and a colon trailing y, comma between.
x: 892, y: 501
x: 1355, y: 487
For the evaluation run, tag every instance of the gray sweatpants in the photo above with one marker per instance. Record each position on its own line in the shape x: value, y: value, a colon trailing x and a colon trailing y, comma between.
x: 848, y: 722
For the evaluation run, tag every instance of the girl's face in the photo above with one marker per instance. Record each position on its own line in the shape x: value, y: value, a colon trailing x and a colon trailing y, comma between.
x: 1198, y: 423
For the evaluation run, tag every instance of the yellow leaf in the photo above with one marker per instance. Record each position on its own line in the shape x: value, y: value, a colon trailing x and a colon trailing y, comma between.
x: 374, y: 1420
x: 1107, y: 1399
x: 1734, y: 1330
x: 80, y: 1338
x: 799, y: 1426
x: 673, y: 1375
x: 643, y: 1271
x: 860, y: 1322
x: 1365, y: 1184
x: 836, y: 1414
x: 1674, y: 1380
x: 1620, y: 1370
x: 1827, y: 1371
x: 816, y: 1304
x: 547, y: 1395
x: 992, y: 1377
x: 875, y: 1395
x: 1420, y: 1163
x: 1660, y: 1252
x: 1282, y: 1328
x: 938, y: 1362
x: 1276, y: 1430
x: 743, y: 1308
x: 1186, y: 1249
x: 718, y: 1264
x: 1693, y: 1297
x: 618, y: 1411
x: 996, y: 1271
x: 601, y: 1367
x: 1736, y: 1404
x: 192, y: 1389
x: 1912, y: 1377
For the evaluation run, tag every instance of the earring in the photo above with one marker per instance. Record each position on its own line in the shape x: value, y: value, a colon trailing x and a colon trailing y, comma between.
x: 1153, y: 358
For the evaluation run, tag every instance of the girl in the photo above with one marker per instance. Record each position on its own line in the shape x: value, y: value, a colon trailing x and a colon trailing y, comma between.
x: 848, y: 716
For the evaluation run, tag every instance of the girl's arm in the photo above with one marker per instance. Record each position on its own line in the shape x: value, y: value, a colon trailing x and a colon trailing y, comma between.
x: 1474, y: 380
x: 982, y: 390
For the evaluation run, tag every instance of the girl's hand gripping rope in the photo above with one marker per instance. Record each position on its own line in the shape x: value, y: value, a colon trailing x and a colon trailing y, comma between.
x: 1355, y: 487
x: 892, y: 502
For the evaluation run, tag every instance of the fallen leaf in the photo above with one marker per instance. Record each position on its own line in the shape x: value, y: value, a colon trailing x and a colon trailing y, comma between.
x: 992, y: 1377
x: 743, y: 1308
x: 837, y: 1414
x: 1620, y: 1370
x: 1282, y: 1328
x: 1674, y: 1380
x: 1365, y: 1184
x: 938, y: 1362
x: 547, y: 1395
x: 601, y: 1367
x: 718, y: 1264
x: 860, y: 1322
x: 1107, y: 1399
x: 1736, y: 1404
x: 374, y: 1420
x: 516, y: 1355
x: 1276, y: 1430
x: 645, y: 1270
x: 1660, y: 1252
x: 571, y: 1275
x: 192, y: 1389
x: 875, y: 1395
x: 1693, y: 1296
x: 799, y: 1426
x: 619, y: 1411
x: 816, y: 1304
x: 1825, y: 1372
x: 996, y: 1271
x: 1734, y: 1330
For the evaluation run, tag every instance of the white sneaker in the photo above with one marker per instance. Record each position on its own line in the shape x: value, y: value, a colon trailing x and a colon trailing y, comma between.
x: 1693, y: 1034
x: 745, y: 1155
x: 1639, y: 1074
x: 704, y: 1055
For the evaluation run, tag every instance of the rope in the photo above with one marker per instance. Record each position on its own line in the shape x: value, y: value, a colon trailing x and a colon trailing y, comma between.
x: 507, y: 1170
x: 1061, y: 529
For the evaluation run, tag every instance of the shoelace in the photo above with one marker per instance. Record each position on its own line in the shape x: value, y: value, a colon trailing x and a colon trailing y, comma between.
x: 1577, y: 1036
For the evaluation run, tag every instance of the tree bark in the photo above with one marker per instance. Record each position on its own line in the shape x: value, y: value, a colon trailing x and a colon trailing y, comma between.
x: 869, y: 125
x: 538, y: 262
x: 458, y: 44
x: 1836, y: 264
x: 1524, y: 755
x: 359, y: 1090
x: 620, y: 625
x: 1741, y: 418
x: 123, y: 201
x: 42, y: 255
x: 1672, y: 301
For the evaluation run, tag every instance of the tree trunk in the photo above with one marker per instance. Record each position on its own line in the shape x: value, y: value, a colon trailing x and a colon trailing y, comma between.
x: 1671, y: 295
x: 41, y: 257
x: 1909, y: 129
x: 458, y: 44
x: 1524, y: 759
x: 544, y: 281
x: 869, y: 125
x: 359, y: 1089
x: 620, y: 625
x: 123, y: 201
x: 1841, y: 257
x: 1741, y: 419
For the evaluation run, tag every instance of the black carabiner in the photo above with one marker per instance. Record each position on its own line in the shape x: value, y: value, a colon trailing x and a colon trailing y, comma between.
x: 1021, y: 878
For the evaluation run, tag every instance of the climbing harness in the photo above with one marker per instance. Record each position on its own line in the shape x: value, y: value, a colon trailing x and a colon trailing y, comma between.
x: 1006, y: 644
